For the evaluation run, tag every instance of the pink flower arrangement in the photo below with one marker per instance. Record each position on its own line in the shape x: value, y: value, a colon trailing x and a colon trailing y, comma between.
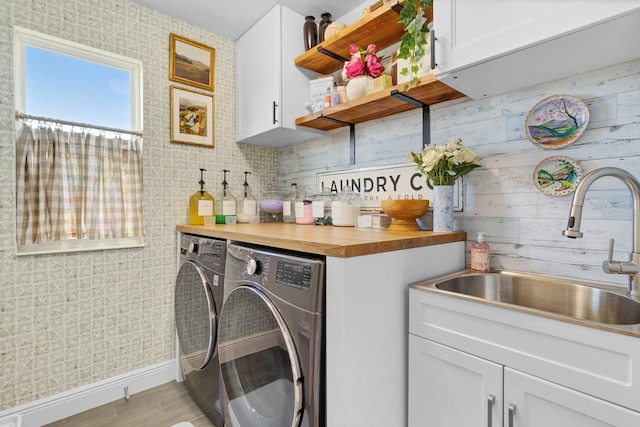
x: 362, y: 63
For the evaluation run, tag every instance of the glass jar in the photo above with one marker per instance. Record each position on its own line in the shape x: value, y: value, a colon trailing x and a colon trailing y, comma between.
x: 288, y: 205
x: 345, y: 207
x: 247, y: 204
x: 322, y: 207
x: 271, y: 203
x: 304, y: 207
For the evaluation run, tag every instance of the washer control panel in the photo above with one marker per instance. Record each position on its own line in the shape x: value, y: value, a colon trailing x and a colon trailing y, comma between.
x: 293, y: 275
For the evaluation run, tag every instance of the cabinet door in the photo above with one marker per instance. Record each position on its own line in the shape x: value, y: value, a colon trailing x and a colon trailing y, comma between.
x: 449, y: 388
x: 470, y: 31
x: 533, y: 402
x: 489, y: 47
x: 258, y: 70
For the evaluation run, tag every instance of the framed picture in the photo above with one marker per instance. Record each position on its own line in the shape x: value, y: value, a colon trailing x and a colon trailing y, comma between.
x: 191, y: 117
x: 191, y: 62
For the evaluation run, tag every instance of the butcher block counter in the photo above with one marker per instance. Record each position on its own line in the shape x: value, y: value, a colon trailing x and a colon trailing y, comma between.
x: 341, y: 242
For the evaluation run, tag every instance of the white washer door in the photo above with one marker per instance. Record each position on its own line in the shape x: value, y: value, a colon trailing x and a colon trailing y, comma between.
x: 196, y: 316
x: 259, y: 363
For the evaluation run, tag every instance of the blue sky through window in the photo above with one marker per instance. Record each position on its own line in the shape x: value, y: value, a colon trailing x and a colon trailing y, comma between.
x: 67, y: 88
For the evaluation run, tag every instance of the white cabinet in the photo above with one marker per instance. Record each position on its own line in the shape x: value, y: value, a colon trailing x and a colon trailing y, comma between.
x: 532, y: 402
x: 473, y: 364
x: 494, y: 46
x: 449, y: 388
x: 270, y: 89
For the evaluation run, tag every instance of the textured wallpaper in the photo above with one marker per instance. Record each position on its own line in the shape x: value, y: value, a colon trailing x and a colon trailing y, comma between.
x: 68, y: 320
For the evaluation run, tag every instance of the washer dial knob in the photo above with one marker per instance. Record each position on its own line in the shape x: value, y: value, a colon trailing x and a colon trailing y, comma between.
x: 253, y: 266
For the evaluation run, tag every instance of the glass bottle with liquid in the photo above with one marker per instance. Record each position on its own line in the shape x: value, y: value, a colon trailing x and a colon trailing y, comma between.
x: 201, y: 204
x: 247, y: 208
x: 226, y: 206
x: 288, y: 204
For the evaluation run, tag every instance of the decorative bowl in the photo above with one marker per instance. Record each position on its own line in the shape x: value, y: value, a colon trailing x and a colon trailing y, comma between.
x: 403, y: 213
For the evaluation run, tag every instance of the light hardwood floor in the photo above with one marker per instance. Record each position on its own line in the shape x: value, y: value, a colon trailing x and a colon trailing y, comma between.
x: 161, y: 406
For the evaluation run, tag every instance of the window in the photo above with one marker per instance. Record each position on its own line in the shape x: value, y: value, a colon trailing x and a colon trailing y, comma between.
x: 78, y: 146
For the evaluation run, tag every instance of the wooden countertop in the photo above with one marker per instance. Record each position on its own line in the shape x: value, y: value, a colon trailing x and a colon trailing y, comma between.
x: 340, y: 242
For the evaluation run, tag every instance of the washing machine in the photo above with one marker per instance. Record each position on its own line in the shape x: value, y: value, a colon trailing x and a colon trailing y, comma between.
x: 271, y: 338
x: 198, y: 299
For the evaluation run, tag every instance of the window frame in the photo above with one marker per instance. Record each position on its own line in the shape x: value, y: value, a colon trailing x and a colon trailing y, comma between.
x: 24, y: 37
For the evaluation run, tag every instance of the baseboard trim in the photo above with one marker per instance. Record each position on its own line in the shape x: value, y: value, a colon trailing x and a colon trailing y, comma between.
x: 71, y: 402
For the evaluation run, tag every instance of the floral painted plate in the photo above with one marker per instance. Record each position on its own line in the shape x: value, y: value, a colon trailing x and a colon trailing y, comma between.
x: 557, y: 176
x: 557, y: 121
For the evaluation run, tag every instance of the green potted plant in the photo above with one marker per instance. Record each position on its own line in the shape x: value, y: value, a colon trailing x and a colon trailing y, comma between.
x: 414, y: 39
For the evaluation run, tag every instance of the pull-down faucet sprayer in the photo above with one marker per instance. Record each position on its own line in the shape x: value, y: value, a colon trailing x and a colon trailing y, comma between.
x: 630, y: 268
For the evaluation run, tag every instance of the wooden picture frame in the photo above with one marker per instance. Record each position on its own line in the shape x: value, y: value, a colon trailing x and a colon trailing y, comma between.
x: 192, y: 117
x: 191, y: 62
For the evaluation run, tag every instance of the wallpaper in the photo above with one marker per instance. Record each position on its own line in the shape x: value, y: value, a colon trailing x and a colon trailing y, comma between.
x: 68, y: 320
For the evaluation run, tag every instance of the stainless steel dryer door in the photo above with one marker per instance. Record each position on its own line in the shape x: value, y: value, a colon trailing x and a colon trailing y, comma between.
x: 259, y: 363
x: 196, y: 316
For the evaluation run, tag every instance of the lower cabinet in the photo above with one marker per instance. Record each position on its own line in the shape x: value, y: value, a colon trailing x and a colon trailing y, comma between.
x: 451, y: 388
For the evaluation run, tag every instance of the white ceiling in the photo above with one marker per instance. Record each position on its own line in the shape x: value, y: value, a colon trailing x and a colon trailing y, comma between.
x: 232, y: 18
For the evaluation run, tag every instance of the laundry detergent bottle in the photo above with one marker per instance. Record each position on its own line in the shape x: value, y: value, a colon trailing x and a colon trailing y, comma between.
x: 201, y: 204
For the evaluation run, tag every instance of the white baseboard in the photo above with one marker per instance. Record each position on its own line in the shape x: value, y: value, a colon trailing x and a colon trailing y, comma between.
x: 52, y: 408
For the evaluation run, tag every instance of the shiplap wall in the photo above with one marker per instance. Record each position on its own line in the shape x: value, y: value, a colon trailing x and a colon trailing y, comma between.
x: 522, y: 225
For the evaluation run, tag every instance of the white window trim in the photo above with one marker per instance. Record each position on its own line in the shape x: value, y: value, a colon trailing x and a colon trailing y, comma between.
x: 24, y: 37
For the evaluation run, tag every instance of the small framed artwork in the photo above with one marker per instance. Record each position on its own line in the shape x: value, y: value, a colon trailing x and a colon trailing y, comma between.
x: 192, y: 117
x: 191, y: 62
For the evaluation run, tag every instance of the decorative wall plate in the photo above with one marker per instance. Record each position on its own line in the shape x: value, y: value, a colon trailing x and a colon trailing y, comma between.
x: 557, y: 176
x: 556, y: 121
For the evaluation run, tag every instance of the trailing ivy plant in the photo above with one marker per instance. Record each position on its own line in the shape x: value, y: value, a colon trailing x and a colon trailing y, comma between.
x: 414, y: 39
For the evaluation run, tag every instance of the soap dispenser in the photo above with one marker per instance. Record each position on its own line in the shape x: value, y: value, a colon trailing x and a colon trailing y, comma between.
x: 480, y: 255
x: 226, y: 206
x: 201, y: 203
x: 247, y: 207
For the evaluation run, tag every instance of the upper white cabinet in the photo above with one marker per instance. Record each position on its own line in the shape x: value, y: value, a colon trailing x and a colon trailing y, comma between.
x: 495, y: 46
x: 270, y: 89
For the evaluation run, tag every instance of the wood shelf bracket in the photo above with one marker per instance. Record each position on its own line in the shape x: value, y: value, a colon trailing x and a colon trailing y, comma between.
x: 352, y: 136
x: 397, y: 7
x: 426, y: 117
x: 332, y: 54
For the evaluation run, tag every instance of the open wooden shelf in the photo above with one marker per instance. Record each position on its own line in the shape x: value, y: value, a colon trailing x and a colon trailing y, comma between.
x: 380, y: 104
x: 380, y: 27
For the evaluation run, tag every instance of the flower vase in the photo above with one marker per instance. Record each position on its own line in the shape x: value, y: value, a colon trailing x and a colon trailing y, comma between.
x: 443, y: 208
x: 358, y: 86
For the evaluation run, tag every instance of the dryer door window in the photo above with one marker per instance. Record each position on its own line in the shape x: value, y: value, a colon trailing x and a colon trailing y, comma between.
x: 259, y: 363
x: 196, y: 314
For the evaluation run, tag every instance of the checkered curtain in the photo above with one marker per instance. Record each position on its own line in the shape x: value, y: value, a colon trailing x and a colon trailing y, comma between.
x: 76, y: 185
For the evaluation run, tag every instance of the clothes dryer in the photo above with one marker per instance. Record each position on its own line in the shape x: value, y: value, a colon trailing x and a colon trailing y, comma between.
x: 271, y: 338
x: 198, y: 300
